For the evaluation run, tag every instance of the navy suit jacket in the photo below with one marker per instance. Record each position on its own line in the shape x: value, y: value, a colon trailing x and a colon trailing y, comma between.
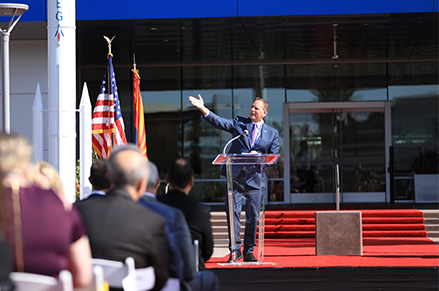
x: 268, y: 143
x: 182, y: 265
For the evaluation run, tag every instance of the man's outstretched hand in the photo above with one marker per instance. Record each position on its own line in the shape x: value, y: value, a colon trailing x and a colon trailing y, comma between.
x: 199, y: 103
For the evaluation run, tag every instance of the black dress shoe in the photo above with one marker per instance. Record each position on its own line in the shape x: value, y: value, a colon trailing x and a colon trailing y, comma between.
x: 248, y: 257
x: 239, y: 256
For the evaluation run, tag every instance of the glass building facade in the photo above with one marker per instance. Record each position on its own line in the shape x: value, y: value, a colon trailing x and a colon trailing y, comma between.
x: 357, y: 61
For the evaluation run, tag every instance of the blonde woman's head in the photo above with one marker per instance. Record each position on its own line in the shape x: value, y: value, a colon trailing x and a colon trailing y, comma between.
x: 15, y: 156
x: 51, y: 174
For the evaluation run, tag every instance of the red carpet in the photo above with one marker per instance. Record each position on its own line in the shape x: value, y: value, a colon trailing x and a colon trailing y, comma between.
x: 377, y: 252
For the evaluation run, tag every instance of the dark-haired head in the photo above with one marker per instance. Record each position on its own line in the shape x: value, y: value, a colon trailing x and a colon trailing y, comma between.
x: 180, y: 173
x: 99, y: 175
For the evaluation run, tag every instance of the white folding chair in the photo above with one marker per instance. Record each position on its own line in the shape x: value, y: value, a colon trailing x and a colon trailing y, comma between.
x: 196, y: 243
x: 124, y: 275
x: 36, y: 282
x: 174, y: 283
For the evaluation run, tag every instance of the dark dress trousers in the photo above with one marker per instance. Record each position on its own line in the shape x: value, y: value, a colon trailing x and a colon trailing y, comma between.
x: 248, y: 180
x: 118, y: 228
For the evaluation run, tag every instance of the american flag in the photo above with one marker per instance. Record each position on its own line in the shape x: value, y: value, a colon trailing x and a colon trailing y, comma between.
x: 107, y: 116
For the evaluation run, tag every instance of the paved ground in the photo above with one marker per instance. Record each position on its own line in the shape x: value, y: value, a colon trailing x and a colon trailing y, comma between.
x: 220, y: 251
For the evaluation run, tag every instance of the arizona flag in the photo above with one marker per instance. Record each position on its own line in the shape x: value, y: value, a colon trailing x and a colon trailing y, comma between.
x: 139, y: 120
x: 108, y: 129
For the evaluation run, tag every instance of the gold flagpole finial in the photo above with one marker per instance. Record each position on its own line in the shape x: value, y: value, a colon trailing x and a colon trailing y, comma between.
x: 134, y: 62
x: 109, y: 43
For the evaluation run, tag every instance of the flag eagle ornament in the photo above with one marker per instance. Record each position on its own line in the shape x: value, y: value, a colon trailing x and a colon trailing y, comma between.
x: 108, y: 128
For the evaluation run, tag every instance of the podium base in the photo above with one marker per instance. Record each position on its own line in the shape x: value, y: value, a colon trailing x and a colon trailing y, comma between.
x: 243, y: 264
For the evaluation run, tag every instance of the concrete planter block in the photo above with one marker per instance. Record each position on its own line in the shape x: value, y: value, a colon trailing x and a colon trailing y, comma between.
x: 427, y: 188
x: 339, y: 233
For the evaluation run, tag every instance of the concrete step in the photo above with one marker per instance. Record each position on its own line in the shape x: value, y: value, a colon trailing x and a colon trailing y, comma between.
x: 221, y: 215
x: 220, y: 223
x: 428, y: 221
x: 223, y: 229
x: 431, y: 222
x: 224, y: 236
x: 433, y: 234
x: 434, y: 227
x: 218, y: 220
x: 221, y: 242
x: 431, y: 213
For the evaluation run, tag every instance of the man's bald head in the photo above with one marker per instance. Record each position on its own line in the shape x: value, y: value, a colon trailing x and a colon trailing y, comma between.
x: 128, y: 167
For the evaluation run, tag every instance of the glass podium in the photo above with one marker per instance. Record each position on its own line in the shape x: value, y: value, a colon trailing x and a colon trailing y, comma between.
x: 236, y: 162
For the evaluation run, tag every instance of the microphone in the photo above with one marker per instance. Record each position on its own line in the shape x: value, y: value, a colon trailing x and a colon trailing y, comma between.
x: 244, y: 133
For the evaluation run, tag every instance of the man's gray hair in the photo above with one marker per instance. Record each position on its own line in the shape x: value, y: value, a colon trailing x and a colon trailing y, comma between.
x: 153, y: 176
x: 127, y: 176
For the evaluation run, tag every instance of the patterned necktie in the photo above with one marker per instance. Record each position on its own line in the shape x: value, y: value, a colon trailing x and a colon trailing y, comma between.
x: 254, y: 133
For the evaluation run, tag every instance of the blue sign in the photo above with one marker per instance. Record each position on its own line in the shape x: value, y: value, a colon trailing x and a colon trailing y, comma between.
x: 146, y: 9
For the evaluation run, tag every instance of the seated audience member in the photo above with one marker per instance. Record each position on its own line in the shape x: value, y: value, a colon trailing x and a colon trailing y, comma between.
x: 180, y: 178
x: 5, y: 265
x: 99, y: 178
x: 182, y: 263
x: 43, y: 237
x: 54, y: 181
x: 118, y: 226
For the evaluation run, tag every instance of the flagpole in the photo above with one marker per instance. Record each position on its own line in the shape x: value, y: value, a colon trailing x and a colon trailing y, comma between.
x: 134, y: 61
x: 109, y: 105
x: 109, y: 92
x: 135, y: 72
x: 139, y: 121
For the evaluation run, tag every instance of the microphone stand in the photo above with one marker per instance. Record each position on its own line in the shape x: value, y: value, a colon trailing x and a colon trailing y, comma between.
x: 236, y: 137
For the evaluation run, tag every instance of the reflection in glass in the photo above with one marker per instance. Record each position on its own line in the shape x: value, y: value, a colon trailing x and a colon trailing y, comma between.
x: 322, y: 138
x: 161, y: 99
x: 209, y: 191
x: 336, y: 83
x: 201, y: 141
x: 362, y: 151
x: 414, y: 92
x: 205, y: 191
x: 275, y: 191
x: 404, y: 189
x: 311, y: 152
x: 207, y: 39
x: 414, y: 122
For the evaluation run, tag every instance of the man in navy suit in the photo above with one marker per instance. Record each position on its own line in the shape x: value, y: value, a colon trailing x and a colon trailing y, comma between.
x: 247, y: 181
x: 182, y: 264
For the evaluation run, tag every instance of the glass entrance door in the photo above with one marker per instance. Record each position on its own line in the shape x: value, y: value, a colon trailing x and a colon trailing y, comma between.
x: 322, y: 135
